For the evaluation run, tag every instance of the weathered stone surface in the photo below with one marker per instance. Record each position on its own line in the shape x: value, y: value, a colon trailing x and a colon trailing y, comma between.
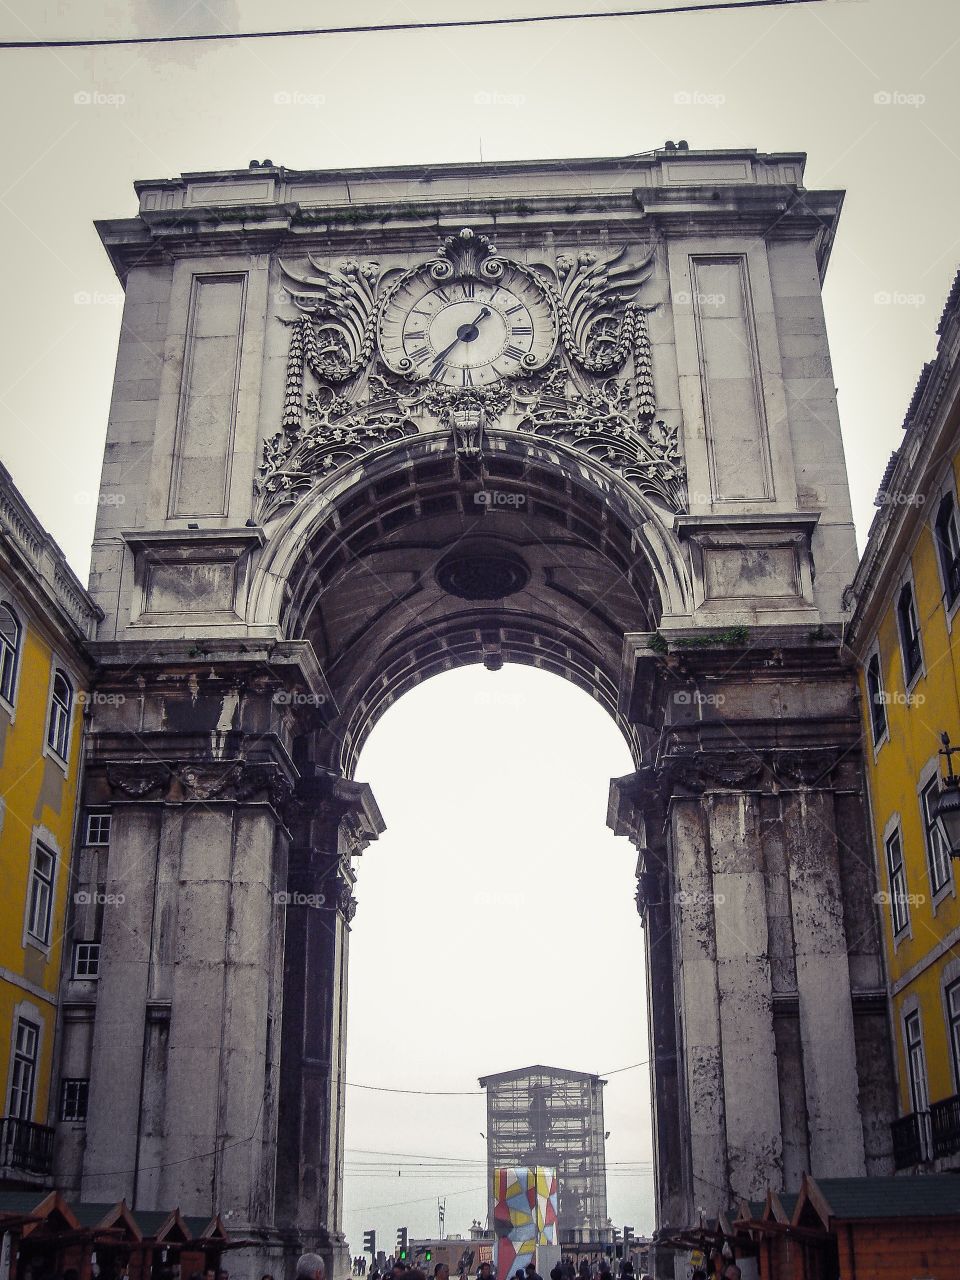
x: 661, y: 469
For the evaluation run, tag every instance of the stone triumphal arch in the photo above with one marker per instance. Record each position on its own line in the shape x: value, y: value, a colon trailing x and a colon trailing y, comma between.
x: 370, y: 426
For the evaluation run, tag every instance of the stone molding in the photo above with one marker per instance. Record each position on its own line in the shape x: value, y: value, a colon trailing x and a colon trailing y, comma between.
x: 225, y: 781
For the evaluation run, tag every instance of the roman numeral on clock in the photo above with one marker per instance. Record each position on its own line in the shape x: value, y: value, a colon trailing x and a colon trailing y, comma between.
x: 469, y: 288
x: 519, y: 329
x: 466, y: 377
x: 514, y: 352
x: 416, y: 335
x: 512, y: 311
x: 421, y: 353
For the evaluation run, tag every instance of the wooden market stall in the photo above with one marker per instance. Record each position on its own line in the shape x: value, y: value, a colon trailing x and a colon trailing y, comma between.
x: 884, y: 1228
x: 42, y: 1237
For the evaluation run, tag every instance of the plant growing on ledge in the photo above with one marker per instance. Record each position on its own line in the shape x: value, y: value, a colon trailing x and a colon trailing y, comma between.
x: 728, y: 638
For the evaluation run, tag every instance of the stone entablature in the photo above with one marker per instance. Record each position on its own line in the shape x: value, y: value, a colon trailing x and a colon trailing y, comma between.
x: 48, y: 570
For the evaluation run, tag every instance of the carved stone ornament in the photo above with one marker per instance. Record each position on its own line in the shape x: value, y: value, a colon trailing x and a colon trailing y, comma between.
x: 138, y: 780
x: 586, y: 380
x: 229, y: 780
x: 784, y: 768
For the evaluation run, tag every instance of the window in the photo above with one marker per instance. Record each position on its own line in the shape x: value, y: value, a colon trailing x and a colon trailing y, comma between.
x: 916, y: 1066
x: 26, y: 1040
x: 98, y: 828
x: 40, y: 902
x: 11, y: 634
x: 948, y: 548
x: 952, y: 995
x: 73, y: 1099
x: 878, y: 711
x: 898, y: 882
x: 86, y: 959
x: 909, y: 633
x: 61, y: 704
x: 938, y: 855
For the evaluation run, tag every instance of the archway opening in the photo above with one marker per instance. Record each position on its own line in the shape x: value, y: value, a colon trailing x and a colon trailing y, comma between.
x: 496, y: 929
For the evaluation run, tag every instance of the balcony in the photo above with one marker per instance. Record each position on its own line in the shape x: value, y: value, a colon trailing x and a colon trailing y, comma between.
x: 25, y: 1148
x: 945, y: 1126
x: 911, y: 1139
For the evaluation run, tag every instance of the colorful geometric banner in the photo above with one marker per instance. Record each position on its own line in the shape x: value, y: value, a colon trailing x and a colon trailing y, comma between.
x: 524, y: 1215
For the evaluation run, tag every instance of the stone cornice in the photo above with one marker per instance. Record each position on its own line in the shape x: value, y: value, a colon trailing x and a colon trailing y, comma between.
x: 726, y: 192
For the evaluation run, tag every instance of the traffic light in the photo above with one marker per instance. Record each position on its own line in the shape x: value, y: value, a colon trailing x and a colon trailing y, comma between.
x: 627, y: 1238
x: 402, y: 1243
x: 370, y: 1243
x: 428, y: 1255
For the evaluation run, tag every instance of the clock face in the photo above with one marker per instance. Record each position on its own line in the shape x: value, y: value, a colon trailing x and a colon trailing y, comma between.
x: 468, y: 333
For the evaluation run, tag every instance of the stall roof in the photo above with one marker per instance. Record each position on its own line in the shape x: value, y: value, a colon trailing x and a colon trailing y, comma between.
x: 932, y: 1195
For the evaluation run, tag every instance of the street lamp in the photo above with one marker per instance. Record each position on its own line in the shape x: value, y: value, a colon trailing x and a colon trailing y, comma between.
x: 947, y: 805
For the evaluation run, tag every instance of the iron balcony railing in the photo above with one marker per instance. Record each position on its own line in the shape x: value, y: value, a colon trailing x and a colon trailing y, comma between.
x: 26, y: 1147
x: 911, y: 1139
x: 945, y: 1126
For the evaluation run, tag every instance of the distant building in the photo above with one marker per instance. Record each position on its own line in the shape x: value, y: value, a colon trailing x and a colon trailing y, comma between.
x: 552, y: 1117
x: 46, y: 618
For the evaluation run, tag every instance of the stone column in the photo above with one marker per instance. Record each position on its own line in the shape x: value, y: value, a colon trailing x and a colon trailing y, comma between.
x: 755, y: 779
x: 194, y: 760
x: 339, y: 818
x: 636, y: 811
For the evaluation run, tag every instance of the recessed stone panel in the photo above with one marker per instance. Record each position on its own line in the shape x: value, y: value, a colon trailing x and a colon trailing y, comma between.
x: 750, y: 571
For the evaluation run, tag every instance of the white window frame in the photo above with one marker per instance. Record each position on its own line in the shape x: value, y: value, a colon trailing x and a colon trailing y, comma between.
x: 894, y: 830
x: 61, y: 1102
x: 92, y: 816
x: 950, y: 981
x: 50, y: 749
x: 947, y: 489
x: 885, y: 736
x: 10, y: 703
x: 27, y: 1013
x: 910, y: 1013
x: 43, y: 839
x: 930, y: 779
x: 89, y: 957
x: 921, y: 671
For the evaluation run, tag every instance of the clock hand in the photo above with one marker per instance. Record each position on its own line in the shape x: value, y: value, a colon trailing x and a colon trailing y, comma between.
x: 461, y: 336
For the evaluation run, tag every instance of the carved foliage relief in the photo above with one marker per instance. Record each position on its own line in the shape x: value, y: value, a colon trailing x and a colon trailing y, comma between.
x: 466, y: 342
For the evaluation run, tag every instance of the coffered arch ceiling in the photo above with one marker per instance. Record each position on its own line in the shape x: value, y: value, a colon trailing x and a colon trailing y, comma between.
x: 430, y: 561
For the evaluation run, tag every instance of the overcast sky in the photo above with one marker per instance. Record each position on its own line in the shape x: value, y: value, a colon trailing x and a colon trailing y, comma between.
x: 494, y: 787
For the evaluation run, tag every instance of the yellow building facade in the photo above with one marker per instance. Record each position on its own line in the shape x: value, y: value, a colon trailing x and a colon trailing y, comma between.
x: 45, y: 619
x: 905, y: 632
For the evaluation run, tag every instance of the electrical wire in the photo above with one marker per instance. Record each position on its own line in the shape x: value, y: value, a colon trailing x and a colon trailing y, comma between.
x: 469, y: 1093
x: 452, y: 24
